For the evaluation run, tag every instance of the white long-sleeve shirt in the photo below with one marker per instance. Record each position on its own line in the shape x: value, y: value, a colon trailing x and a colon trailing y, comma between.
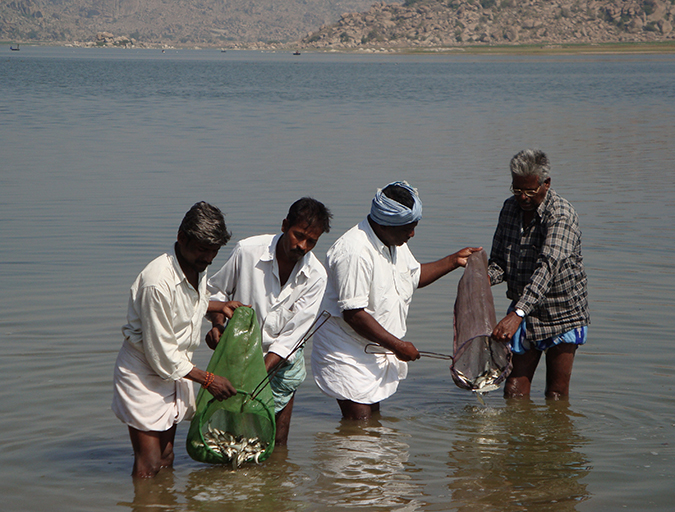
x: 251, y: 276
x: 165, y: 315
x: 365, y: 274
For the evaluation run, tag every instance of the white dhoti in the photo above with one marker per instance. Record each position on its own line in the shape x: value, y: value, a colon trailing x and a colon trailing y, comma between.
x: 343, y: 370
x: 145, y: 401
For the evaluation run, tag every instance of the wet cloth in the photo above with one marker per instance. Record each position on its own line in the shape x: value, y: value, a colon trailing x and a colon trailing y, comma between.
x: 163, y: 330
x: 145, y: 401
x: 286, y: 381
x: 343, y: 370
x: 542, y: 266
x: 519, y: 343
x: 363, y: 273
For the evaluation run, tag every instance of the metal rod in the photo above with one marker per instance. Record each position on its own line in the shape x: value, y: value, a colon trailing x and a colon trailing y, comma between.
x: 316, y: 325
x: 432, y: 355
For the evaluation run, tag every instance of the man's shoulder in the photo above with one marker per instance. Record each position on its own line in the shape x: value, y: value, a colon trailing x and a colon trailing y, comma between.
x: 253, y: 246
x: 510, y: 209
x: 315, y: 266
x: 355, y: 245
x: 355, y: 236
x: 160, y: 271
x: 558, y: 206
x: 256, y: 241
x: 560, y: 200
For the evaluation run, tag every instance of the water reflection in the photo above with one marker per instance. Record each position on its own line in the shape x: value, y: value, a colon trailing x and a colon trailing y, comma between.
x: 521, y: 457
x: 155, y: 494
x: 270, y: 486
x: 363, y: 465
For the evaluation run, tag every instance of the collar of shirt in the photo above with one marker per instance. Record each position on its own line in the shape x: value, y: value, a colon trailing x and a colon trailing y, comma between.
x: 548, y: 198
x: 271, y: 256
x: 180, y: 275
x: 375, y: 240
x: 516, y: 213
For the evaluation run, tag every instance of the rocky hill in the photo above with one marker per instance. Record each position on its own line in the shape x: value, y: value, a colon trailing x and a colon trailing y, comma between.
x: 344, y: 24
x: 452, y: 23
x: 173, y: 22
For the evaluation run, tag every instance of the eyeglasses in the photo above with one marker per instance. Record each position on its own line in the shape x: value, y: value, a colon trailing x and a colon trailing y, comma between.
x: 527, y: 193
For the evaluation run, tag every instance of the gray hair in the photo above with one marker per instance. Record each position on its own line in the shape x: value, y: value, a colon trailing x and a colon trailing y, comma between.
x: 205, y: 224
x: 531, y: 162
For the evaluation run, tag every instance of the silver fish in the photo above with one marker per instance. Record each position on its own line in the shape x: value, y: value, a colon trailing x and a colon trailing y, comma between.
x: 484, y: 382
x: 236, y: 450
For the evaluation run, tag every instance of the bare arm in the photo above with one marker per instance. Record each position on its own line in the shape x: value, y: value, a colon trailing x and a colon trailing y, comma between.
x: 430, y: 272
x: 365, y: 325
x: 220, y: 388
x: 271, y: 359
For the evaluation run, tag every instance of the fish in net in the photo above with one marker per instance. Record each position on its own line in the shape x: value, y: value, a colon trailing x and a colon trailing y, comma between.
x: 242, y: 428
x: 480, y: 363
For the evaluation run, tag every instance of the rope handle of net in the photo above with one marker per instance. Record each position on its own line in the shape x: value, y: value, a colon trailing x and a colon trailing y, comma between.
x: 374, y: 348
x: 316, y: 325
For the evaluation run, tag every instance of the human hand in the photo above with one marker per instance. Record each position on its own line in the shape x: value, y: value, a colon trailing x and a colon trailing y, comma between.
x: 229, y: 307
x: 221, y: 388
x: 405, y: 351
x: 506, y: 327
x: 213, y: 336
x: 461, y: 257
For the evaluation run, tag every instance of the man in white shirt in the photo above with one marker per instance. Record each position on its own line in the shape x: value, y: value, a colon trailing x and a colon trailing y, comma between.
x: 371, y: 279
x: 282, y: 280
x: 167, y: 304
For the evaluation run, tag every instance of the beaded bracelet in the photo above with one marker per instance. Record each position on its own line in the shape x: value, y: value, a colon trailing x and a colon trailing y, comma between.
x: 208, y: 380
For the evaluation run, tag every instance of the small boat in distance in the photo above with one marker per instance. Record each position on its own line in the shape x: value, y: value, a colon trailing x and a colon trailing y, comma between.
x: 14, y: 49
x: 296, y: 52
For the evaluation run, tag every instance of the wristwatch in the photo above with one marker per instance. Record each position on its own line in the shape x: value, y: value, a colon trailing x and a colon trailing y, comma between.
x: 520, y: 313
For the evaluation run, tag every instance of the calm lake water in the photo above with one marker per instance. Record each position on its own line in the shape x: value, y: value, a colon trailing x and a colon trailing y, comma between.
x: 103, y: 151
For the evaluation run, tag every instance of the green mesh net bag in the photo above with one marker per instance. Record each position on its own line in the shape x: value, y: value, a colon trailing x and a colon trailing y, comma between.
x: 241, y: 428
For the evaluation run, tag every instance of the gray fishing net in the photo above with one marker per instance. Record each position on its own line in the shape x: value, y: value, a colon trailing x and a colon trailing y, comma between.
x: 480, y: 363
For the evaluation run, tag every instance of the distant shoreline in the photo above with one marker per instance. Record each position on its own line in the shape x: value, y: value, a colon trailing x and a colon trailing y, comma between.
x: 658, y: 47
x: 661, y: 47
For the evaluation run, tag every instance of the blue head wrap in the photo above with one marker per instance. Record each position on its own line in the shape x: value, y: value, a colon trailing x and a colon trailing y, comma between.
x: 387, y: 212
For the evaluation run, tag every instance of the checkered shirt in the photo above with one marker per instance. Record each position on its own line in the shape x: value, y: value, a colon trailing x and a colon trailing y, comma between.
x: 542, y: 266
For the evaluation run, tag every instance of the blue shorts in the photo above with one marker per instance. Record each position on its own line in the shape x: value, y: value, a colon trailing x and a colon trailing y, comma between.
x: 519, y: 344
x: 287, y: 380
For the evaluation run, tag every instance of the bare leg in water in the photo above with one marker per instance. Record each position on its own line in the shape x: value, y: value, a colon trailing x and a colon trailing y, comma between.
x: 355, y: 411
x: 153, y: 451
x: 559, y: 361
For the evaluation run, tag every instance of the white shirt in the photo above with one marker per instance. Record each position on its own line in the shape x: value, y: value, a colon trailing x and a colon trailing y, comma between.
x: 165, y: 316
x: 251, y: 276
x: 363, y: 273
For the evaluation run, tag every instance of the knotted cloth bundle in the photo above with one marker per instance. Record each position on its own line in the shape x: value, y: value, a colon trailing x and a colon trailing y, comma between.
x: 387, y: 212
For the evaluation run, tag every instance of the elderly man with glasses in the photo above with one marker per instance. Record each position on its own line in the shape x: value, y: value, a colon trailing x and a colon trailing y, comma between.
x: 537, y: 250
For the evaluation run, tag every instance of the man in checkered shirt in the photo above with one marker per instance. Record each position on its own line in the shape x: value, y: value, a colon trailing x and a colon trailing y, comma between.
x: 537, y: 250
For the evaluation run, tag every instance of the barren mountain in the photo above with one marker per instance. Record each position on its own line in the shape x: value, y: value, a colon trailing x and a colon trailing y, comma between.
x: 338, y: 24
x: 201, y: 22
x: 450, y: 23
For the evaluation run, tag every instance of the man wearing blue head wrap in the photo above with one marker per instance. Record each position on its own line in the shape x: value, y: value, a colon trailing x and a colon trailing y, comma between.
x: 371, y: 279
x: 395, y: 211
